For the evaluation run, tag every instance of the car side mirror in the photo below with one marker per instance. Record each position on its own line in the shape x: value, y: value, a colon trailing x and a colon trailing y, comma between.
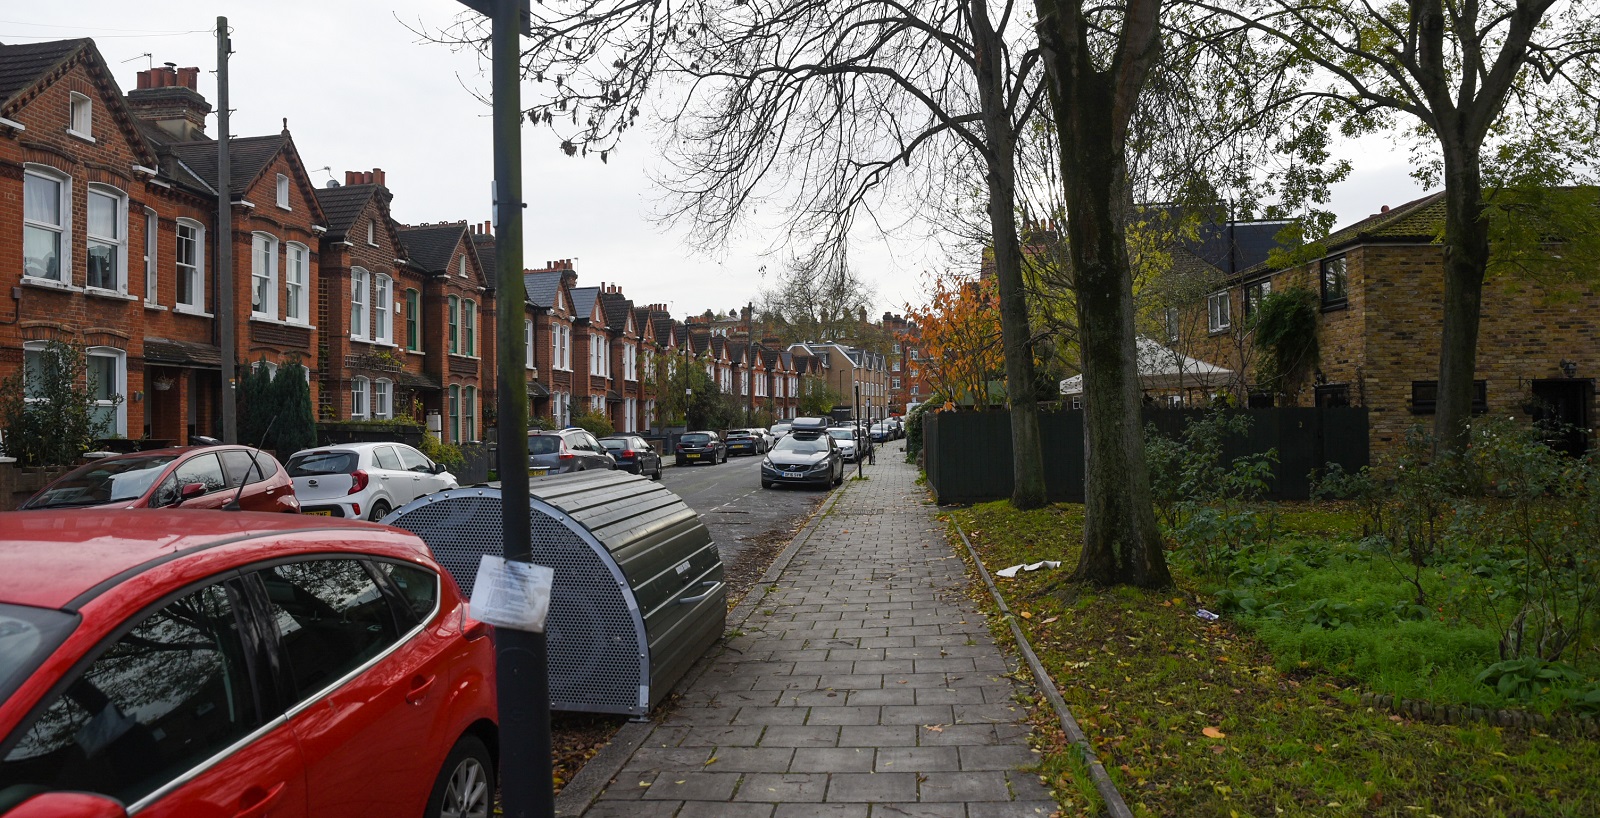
x: 190, y: 491
x: 438, y: 468
x: 68, y: 805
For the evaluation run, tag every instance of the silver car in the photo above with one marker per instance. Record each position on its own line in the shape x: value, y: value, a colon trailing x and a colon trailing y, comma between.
x: 363, y: 480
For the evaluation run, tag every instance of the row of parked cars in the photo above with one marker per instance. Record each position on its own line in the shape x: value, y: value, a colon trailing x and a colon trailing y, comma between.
x: 353, y: 480
x: 197, y: 662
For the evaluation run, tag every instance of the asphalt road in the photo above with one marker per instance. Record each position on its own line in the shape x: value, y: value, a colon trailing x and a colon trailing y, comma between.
x: 735, y: 507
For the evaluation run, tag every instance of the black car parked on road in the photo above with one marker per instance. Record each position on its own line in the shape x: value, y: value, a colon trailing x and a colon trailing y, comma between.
x: 633, y: 455
x: 804, y: 457
x: 746, y: 441
x: 701, y: 447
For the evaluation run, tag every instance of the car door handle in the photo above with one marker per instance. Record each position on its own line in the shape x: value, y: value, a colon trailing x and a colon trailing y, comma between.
x: 420, y: 685
x: 257, y: 800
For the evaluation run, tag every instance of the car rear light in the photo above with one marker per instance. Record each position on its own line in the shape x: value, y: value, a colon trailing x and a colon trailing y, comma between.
x: 627, y: 453
x: 565, y: 455
x: 358, y: 481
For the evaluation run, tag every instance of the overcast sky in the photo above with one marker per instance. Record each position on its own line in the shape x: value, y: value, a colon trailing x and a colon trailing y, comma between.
x: 360, y: 91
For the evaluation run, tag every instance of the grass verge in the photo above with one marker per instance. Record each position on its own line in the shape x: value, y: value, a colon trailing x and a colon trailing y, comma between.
x: 1196, y: 718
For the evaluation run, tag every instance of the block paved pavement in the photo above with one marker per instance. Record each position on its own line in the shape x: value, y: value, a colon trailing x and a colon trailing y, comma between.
x: 863, y: 682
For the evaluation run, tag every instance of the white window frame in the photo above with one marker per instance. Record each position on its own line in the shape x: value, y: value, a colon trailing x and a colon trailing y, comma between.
x: 527, y: 342
x: 452, y: 306
x: 382, y: 399
x: 630, y: 362
x: 283, y: 191
x: 152, y: 277
x: 360, y: 398
x: 119, y: 387
x: 372, y: 232
x: 453, y: 411
x: 62, y: 226
x: 1219, y: 311
x: 1172, y: 325
x: 360, y: 289
x: 80, y: 116
x: 297, y: 283
x: 383, y: 309
x: 469, y: 327
x: 118, y: 243
x: 195, y: 273
x: 264, y: 253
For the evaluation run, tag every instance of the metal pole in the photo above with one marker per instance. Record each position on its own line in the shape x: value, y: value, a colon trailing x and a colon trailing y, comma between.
x: 526, y: 782
x: 222, y: 241
x: 861, y: 445
x: 750, y: 365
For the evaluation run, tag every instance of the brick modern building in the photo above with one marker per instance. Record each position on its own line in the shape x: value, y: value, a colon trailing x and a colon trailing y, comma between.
x: 1378, y: 287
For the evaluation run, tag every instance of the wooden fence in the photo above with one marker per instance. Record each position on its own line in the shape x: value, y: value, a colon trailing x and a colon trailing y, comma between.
x: 967, y: 455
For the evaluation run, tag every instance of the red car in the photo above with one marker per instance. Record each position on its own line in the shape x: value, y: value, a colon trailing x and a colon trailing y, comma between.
x: 236, y: 664
x: 182, y: 477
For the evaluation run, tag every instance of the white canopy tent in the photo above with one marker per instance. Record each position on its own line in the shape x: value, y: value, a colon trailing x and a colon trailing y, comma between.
x: 1163, y: 368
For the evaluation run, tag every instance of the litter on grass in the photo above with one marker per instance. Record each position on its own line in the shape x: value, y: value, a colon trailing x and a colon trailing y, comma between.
x: 1011, y: 573
x: 1207, y: 615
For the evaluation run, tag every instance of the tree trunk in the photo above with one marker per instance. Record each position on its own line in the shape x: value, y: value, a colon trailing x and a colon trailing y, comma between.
x: 1122, y: 544
x: 1027, y: 457
x: 1466, y: 257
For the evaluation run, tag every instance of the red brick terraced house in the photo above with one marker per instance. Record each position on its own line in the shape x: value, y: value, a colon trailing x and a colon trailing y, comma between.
x: 647, y: 351
x: 623, y: 354
x: 538, y: 393
x: 591, y: 353
x: 373, y: 363
x: 550, y: 293
x: 457, y: 325
x: 1378, y: 286
x: 107, y: 215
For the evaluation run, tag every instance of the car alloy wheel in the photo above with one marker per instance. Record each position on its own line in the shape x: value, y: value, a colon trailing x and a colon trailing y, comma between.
x: 380, y: 510
x: 465, y: 787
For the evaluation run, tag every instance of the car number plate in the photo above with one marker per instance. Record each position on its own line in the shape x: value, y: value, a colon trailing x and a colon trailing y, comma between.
x: 323, y: 513
x: 793, y: 474
x: 538, y: 472
x: 691, y: 457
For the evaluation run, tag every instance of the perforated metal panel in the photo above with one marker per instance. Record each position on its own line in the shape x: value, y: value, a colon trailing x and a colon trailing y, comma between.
x: 599, y: 656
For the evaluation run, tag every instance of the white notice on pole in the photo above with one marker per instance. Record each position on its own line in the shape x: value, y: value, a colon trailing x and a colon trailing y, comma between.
x: 512, y: 595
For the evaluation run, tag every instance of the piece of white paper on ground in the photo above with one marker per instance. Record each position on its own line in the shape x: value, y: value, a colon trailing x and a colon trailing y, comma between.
x: 512, y: 595
x: 1011, y: 573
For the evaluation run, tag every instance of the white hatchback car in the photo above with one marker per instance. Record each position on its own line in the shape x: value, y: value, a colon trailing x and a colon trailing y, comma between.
x: 367, y: 480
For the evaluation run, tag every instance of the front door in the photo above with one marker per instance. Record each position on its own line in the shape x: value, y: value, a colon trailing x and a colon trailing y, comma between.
x: 1561, y: 410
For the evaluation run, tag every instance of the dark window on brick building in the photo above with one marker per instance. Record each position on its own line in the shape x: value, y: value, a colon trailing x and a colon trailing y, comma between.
x: 1333, y: 395
x: 1425, y: 397
x: 1335, y: 283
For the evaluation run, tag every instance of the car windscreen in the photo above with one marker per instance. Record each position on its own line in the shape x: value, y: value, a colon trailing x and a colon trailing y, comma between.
x: 695, y: 439
x: 802, y: 445
x: 316, y: 464
x: 544, y: 444
x: 779, y: 428
x: 112, y: 480
x: 27, y: 636
x: 843, y: 433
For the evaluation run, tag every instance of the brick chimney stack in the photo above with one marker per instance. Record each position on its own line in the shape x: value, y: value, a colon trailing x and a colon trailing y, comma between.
x: 365, y: 177
x: 169, y: 97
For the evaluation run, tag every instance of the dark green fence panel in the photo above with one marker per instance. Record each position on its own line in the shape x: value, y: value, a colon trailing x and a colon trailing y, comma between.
x: 968, y: 454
